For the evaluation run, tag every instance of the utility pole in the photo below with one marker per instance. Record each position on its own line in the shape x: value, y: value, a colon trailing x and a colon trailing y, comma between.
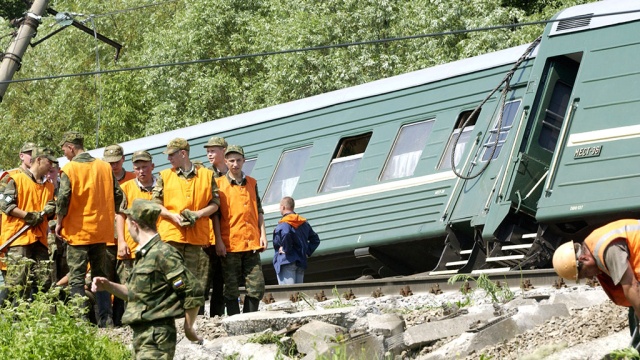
x: 12, y: 58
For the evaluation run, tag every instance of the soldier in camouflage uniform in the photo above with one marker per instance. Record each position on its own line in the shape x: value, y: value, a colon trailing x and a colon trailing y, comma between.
x: 27, y: 200
x: 215, y: 147
x: 159, y: 289
x: 25, y: 163
x: 88, y: 198
x: 192, y: 196
x: 243, y: 234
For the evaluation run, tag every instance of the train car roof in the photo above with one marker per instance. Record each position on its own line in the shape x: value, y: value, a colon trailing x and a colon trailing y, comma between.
x: 383, y: 86
x: 594, y: 15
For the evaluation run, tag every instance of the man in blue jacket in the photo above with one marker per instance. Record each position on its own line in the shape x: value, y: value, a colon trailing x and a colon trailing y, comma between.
x: 294, y: 241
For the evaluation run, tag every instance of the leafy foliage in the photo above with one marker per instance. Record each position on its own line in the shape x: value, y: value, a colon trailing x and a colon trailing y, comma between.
x: 12, y: 9
x: 122, y: 106
x: 498, y: 294
x: 48, y: 328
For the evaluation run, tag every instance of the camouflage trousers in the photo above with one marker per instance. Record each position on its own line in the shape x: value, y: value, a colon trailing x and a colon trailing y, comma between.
x: 155, y: 340
x: 124, y: 269
x: 78, y: 257
x: 242, y: 265
x: 194, y: 259
x: 18, y: 272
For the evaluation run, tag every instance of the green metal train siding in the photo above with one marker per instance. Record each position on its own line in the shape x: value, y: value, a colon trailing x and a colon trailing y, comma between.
x: 587, y: 191
x: 385, y: 218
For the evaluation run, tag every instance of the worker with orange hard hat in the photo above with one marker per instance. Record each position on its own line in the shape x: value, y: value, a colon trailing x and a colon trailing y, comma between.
x: 612, y: 254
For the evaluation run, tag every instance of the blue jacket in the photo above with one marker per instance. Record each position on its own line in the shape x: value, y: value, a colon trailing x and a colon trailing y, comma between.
x: 296, y: 238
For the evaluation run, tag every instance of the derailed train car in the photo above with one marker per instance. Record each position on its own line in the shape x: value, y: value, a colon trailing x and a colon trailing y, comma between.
x: 371, y: 166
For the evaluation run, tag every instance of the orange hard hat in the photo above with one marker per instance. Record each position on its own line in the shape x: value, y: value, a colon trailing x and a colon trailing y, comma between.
x: 565, y: 261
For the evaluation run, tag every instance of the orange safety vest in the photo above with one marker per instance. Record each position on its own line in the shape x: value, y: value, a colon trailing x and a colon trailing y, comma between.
x: 30, y: 197
x: 128, y: 175
x: 91, y: 212
x: 597, y: 242
x: 132, y: 191
x: 180, y: 194
x: 239, y: 215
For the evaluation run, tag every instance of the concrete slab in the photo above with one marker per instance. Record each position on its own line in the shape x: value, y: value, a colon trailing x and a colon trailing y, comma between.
x: 316, y: 337
x: 528, y: 316
x: 580, y: 300
x: 385, y: 324
x: 262, y: 320
x: 252, y: 351
x: 427, y: 333
x: 593, y: 350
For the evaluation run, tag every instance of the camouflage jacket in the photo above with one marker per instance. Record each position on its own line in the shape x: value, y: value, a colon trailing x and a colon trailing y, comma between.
x: 160, y: 286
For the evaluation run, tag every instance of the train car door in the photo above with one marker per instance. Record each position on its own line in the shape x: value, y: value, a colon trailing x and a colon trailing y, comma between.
x: 543, y: 131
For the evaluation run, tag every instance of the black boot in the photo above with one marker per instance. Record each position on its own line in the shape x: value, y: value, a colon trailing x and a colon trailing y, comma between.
x: 250, y: 304
x: 232, y: 307
x: 216, y: 308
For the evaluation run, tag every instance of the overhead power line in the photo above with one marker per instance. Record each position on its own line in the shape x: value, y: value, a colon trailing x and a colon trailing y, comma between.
x: 312, y: 48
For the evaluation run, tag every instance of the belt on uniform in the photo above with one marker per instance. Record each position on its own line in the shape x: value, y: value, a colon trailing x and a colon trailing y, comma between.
x: 158, y: 322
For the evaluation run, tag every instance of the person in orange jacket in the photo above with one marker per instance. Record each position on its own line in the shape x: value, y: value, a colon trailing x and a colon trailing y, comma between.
x: 612, y: 254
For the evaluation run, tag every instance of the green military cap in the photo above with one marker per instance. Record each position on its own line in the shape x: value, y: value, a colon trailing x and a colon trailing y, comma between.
x: 144, y: 211
x: 43, y: 152
x: 216, y: 141
x: 234, y: 149
x: 73, y: 137
x: 141, y: 155
x: 113, y: 153
x: 175, y: 145
x: 28, y: 146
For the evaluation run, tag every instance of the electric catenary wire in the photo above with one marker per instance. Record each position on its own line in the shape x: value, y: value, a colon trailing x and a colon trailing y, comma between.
x: 312, y: 48
x: 503, y: 97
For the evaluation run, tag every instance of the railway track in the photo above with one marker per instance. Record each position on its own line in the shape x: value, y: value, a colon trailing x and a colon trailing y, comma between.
x: 405, y: 285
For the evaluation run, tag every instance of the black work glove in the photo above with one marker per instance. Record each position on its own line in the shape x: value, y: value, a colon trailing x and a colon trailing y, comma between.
x: 189, y: 217
x: 33, y: 218
x: 50, y: 208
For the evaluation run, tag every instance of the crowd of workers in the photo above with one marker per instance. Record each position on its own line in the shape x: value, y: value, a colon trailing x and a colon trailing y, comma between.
x: 159, y: 242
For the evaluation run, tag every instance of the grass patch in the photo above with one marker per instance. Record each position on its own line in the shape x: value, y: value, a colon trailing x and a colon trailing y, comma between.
x: 47, y: 328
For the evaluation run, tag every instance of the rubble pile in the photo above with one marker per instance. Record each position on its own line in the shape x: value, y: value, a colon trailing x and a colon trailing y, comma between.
x: 535, y: 323
x: 583, y: 326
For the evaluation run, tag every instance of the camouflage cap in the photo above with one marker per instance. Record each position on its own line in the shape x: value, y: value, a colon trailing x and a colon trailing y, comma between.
x: 141, y: 155
x: 43, y: 152
x: 175, y: 145
x: 143, y: 211
x: 113, y: 153
x: 28, y: 146
x: 216, y: 141
x: 73, y: 137
x: 234, y: 149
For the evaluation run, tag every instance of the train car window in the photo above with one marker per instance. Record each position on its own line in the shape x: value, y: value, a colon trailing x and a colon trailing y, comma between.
x: 286, y: 176
x: 508, y: 115
x: 248, y: 166
x: 345, y: 163
x: 554, y: 116
x: 407, y: 149
x: 464, y: 134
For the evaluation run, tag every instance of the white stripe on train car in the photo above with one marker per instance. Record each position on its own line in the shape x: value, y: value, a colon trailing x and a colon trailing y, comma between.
x: 367, y: 190
x: 604, y: 135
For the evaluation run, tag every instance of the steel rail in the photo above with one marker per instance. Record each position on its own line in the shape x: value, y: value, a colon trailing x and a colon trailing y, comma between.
x: 415, y: 284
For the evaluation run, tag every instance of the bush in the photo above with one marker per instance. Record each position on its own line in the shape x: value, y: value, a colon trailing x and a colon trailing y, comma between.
x: 47, y: 328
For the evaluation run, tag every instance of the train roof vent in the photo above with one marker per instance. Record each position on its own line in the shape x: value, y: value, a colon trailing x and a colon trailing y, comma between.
x: 574, y: 23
